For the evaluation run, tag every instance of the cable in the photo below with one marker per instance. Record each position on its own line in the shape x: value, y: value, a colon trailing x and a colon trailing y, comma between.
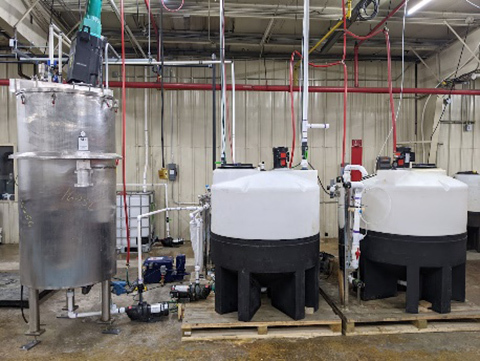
x: 21, y: 304
x: 173, y: 10
x: 319, y: 180
x: 124, y: 126
x: 477, y: 6
x: 447, y: 102
x: 390, y: 90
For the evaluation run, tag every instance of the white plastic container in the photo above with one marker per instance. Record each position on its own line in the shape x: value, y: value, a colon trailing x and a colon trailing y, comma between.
x: 281, y: 204
x: 415, y: 202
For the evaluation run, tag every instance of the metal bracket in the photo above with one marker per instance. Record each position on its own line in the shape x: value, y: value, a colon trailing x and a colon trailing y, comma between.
x: 30, y: 345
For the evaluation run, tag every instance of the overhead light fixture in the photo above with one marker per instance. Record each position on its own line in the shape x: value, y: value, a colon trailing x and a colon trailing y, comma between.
x: 417, y: 7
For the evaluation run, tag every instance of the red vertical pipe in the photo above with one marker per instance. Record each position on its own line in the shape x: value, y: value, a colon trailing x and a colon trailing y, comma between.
x: 355, y: 67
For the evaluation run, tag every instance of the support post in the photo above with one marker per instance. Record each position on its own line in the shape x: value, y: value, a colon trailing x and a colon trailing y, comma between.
x: 34, y: 313
x: 106, y: 301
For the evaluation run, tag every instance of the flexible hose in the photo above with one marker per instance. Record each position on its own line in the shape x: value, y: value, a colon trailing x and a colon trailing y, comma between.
x: 390, y: 90
x: 173, y: 10
x: 124, y: 133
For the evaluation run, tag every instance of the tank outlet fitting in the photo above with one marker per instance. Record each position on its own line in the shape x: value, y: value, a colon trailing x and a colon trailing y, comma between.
x: 84, y: 174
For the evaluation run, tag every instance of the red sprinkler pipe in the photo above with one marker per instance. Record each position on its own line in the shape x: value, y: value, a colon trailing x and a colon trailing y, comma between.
x: 284, y: 88
x: 377, y: 27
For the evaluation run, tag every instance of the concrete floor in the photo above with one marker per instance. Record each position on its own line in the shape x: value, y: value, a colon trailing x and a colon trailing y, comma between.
x: 82, y: 339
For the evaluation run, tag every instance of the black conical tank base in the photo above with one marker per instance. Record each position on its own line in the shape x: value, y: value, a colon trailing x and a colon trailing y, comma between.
x: 288, y: 268
x: 433, y: 267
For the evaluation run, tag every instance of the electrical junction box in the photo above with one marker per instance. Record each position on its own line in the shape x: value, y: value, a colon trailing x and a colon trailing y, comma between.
x: 468, y: 127
x: 172, y: 172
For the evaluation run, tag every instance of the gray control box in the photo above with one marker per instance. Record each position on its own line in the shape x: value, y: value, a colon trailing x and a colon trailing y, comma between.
x: 172, y: 172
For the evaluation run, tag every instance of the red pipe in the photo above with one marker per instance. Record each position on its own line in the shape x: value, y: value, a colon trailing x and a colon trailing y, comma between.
x: 355, y: 66
x: 378, y: 26
x: 284, y: 88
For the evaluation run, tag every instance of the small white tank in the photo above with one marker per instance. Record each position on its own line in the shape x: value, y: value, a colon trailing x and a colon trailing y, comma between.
x: 415, y: 202
x: 472, y: 179
x: 281, y: 204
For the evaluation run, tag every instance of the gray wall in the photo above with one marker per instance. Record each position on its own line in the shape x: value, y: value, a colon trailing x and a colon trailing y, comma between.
x: 263, y: 121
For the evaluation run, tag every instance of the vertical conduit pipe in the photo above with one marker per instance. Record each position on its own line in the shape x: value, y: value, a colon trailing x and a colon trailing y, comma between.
x: 233, y: 112
x: 306, y: 46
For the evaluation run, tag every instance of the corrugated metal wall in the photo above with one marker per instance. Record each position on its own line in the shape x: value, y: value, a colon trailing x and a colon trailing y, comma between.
x: 263, y: 121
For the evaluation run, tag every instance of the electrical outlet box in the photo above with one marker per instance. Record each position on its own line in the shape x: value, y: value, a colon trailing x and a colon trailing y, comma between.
x: 163, y: 173
x: 172, y: 172
x: 468, y: 127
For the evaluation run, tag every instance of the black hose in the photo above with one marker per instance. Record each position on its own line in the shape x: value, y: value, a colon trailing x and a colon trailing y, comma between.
x: 363, y: 14
x: 320, y: 181
x: 162, y: 90
x: 21, y: 304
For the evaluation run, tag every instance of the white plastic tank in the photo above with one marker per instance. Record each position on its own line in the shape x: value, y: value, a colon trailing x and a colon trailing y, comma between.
x: 472, y: 179
x: 249, y: 204
x: 415, y: 202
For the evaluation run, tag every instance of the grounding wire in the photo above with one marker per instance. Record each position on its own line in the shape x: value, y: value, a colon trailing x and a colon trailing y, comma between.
x: 402, y: 81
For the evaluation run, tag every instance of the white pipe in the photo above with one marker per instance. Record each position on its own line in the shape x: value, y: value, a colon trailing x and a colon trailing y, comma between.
x: 51, y: 47
x: 305, y: 48
x: 60, y: 57
x: 72, y: 314
x: 145, y: 129
x: 318, y: 126
x: 168, y: 62
x: 139, y: 234
x: 223, y: 80
x: 107, y: 61
x: 349, y: 168
x: 233, y: 113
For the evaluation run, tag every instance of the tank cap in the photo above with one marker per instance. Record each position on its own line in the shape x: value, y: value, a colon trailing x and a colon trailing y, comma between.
x: 236, y: 166
x: 471, y: 172
x: 424, y: 166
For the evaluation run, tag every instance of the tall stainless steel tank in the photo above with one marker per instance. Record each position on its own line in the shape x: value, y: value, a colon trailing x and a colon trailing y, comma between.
x: 66, y: 184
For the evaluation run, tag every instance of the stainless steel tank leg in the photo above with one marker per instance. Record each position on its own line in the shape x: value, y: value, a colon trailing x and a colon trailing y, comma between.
x: 106, y: 300
x: 34, y: 313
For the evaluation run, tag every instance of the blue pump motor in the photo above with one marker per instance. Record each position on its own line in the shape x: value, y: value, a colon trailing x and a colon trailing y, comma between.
x: 153, y: 267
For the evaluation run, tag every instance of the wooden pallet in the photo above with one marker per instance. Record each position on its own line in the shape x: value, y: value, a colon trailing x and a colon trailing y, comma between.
x: 388, y: 316
x: 202, y: 323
